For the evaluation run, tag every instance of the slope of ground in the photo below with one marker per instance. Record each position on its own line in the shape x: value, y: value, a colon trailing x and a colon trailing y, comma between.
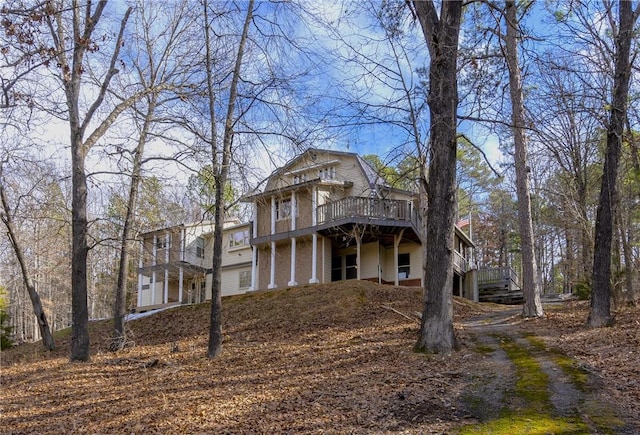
x: 325, y: 358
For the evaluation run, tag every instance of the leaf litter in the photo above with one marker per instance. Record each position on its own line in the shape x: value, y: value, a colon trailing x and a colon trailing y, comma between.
x: 330, y: 358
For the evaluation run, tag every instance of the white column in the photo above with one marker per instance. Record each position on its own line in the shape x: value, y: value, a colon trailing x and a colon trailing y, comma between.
x: 165, y: 299
x: 314, y: 259
x: 254, y: 249
x: 396, y: 242
x: 254, y: 257
x: 314, y: 244
x: 140, y: 265
x: 358, y: 245
x: 180, y: 284
x: 272, y: 278
x: 153, y: 274
x: 294, y: 207
x: 293, y: 282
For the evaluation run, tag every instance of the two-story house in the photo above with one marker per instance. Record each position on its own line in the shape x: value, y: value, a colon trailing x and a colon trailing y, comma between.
x: 175, y: 263
x: 325, y: 216
x: 328, y: 216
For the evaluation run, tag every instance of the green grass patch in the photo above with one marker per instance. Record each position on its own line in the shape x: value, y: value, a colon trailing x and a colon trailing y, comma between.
x: 530, y: 411
x: 484, y: 349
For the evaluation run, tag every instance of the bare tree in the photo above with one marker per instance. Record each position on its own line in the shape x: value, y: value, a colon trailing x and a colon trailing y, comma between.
x: 6, y: 216
x: 160, y: 65
x: 530, y: 285
x: 221, y: 171
x: 441, y: 32
x: 600, y: 313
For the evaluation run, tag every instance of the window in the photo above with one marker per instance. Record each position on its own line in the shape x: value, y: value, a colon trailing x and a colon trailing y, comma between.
x: 404, y: 266
x: 239, y: 239
x: 328, y: 173
x: 299, y: 178
x: 245, y: 279
x: 200, y: 247
x: 162, y: 242
x: 283, y: 209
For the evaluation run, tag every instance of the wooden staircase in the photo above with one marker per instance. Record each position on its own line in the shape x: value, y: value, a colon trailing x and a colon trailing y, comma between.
x: 500, y: 285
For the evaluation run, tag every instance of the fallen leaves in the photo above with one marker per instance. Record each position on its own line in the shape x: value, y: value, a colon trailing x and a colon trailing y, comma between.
x: 324, y: 358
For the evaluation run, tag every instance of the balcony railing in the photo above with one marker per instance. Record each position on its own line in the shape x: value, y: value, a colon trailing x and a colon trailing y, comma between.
x: 362, y: 207
x: 498, y: 274
x: 460, y: 262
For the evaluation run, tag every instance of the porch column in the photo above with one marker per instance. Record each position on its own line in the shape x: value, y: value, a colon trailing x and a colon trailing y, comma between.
x: 254, y: 258
x: 294, y: 207
x: 358, y: 245
x: 180, y: 280
x: 272, y: 274
x: 165, y: 299
x: 314, y: 259
x: 314, y: 244
x: 153, y: 274
x: 293, y: 282
x: 272, y: 278
x: 254, y: 249
x: 140, y: 265
x: 396, y: 242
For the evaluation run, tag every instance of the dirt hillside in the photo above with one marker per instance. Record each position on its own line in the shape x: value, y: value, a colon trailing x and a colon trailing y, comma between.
x: 318, y: 359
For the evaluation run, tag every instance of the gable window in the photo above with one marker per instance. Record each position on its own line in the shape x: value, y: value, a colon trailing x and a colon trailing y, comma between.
x: 299, y: 178
x: 239, y: 239
x: 200, y: 247
x: 404, y: 266
x: 283, y: 208
x: 328, y: 173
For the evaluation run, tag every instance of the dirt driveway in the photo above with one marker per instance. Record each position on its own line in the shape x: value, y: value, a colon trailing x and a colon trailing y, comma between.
x: 526, y: 387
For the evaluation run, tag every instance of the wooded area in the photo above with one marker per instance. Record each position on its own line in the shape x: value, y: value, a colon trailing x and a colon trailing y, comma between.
x: 118, y: 118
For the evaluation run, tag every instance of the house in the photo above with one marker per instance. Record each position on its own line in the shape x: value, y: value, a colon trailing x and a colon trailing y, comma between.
x: 175, y: 263
x: 325, y: 216
x: 328, y: 216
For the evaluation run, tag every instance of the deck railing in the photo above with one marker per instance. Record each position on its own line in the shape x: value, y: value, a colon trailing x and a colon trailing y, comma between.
x: 363, y: 207
x: 497, y: 274
x: 460, y: 262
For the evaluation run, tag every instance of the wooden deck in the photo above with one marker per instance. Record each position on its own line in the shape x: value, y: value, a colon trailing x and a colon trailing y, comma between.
x: 499, y: 285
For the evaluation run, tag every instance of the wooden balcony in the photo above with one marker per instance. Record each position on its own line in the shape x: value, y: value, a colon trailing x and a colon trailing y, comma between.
x: 460, y: 264
x: 369, y: 208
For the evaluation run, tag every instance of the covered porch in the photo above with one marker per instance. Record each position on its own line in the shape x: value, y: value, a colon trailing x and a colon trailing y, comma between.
x: 169, y: 284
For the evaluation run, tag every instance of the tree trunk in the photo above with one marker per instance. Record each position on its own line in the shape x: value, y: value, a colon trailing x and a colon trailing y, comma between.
x: 530, y: 283
x: 79, y: 310
x: 441, y: 34
x: 600, y: 313
x: 119, y: 340
x: 221, y: 172
x: 41, y: 317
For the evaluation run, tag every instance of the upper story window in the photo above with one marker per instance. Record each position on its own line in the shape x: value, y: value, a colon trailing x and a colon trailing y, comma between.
x: 163, y: 242
x: 239, y: 239
x: 200, y: 247
x: 283, y: 208
x: 300, y: 178
x: 328, y: 173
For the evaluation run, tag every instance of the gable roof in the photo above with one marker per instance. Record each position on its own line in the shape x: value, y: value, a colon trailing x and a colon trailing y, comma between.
x: 374, y: 180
